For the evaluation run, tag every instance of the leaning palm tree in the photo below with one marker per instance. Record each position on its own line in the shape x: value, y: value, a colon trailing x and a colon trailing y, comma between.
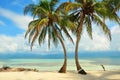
x: 47, y: 22
x: 84, y: 13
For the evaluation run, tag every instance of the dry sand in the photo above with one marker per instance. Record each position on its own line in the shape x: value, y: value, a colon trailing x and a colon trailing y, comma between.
x: 70, y: 75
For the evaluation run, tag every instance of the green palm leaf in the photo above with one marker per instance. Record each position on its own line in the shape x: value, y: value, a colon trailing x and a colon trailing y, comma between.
x: 104, y: 27
x: 52, y: 4
x: 88, y: 26
x: 62, y: 6
x: 29, y: 8
x: 31, y: 25
x: 72, y: 6
x: 42, y: 35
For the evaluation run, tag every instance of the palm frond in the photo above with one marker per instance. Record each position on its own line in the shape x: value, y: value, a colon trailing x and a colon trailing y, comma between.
x: 42, y: 35
x: 61, y: 7
x: 80, y: 1
x: 67, y: 34
x: 31, y: 25
x: 88, y: 26
x: 74, y: 16
x: 49, y: 36
x: 45, y: 4
x: 100, y: 9
x: 58, y: 30
x: 31, y: 34
x: 117, y: 8
x: 114, y: 6
x: 40, y: 12
x: 29, y: 8
x: 104, y: 27
x: 53, y: 3
x: 43, y: 22
x: 34, y: 37
x: 114, y: 17
x: 40, y: 24
x: 54, y: 38
x: 114, y: 3
x: 73, y: 6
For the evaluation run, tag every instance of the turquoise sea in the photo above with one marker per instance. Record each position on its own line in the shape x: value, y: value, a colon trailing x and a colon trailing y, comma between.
x: 55, y: 64
x: 88, y: 61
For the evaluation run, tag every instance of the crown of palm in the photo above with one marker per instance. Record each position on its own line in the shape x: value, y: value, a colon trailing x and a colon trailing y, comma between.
x: 47, y: 22
x: 93, y: 11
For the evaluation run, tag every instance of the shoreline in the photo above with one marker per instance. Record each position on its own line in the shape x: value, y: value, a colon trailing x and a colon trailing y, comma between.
x: 55, y: 64
x: 48, y: 70
x: 54, y: 75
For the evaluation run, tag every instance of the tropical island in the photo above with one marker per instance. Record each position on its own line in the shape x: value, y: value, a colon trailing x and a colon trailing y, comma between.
x: 53, y: 23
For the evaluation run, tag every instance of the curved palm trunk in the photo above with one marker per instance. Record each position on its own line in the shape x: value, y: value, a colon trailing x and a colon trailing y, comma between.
x: 64, y: 67
x: 79, y: 32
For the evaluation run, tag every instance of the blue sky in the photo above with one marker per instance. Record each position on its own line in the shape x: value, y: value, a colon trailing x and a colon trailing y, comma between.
x: 13, y: 25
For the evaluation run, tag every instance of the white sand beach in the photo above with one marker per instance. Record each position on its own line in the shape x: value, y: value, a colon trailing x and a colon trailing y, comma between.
x: 70, y: 75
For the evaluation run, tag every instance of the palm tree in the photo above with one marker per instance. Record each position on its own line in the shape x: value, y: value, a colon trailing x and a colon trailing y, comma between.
x: 84, y: 13
x: 47, y: 22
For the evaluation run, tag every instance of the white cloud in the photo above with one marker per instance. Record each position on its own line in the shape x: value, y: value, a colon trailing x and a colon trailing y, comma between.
x: 7, y: 44
x: 115, y: 43
x: 21, y: 21
x: 115, y: 29
x: 99, y: 43
x: 19, y: 44
x: 2, y: 23
x: 12, y: 44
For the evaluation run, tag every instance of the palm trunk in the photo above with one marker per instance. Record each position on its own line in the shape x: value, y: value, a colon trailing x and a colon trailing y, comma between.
x: 64, y: 67
x: 79, y: 32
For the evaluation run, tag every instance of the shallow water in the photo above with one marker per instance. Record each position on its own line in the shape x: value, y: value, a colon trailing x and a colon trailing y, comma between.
x: 55, y: 64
